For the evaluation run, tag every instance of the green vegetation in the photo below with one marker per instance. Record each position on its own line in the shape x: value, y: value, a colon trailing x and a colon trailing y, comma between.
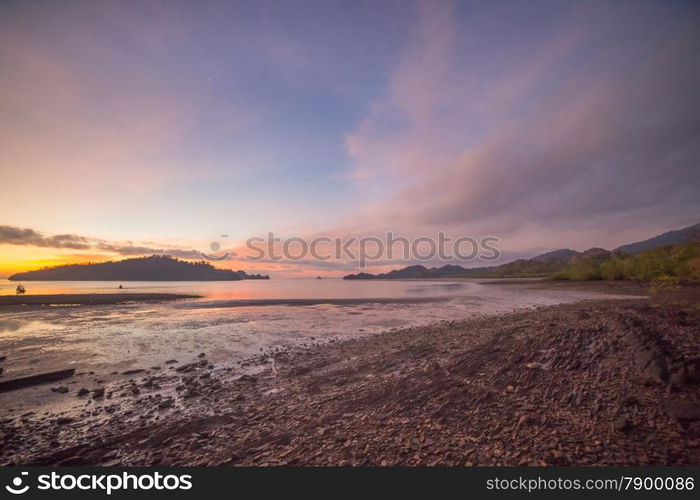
x: 521, y: 268
x: 663, y: 266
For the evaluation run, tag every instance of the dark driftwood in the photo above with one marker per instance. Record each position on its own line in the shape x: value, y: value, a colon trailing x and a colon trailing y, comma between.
x: 18, y: 383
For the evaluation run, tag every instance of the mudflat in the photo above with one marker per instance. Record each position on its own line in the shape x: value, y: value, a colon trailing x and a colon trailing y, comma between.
x: 87, y: 298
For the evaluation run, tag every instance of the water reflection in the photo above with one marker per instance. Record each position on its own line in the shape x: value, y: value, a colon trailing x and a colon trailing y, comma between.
x: 255, y: 289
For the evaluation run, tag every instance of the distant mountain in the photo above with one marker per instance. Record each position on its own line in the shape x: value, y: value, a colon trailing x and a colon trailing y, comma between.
x: 153, y: 268
x: 686, y: 235
x: 415, y: 272
x: 563, y: 254
x: 542, y: 265
x: 360, y: 276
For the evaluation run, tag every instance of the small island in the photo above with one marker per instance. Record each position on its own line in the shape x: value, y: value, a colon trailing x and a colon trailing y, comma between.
x: 153, y: 268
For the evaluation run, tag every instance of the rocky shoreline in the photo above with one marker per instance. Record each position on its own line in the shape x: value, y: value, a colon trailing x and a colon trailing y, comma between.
x: 600, y: 382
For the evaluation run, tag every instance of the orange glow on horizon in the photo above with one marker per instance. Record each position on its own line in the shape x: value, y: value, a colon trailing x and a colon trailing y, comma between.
x: 17, y: 259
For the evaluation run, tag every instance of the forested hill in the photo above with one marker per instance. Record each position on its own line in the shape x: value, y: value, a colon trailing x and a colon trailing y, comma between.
x: 153, y: 268
x: 674, y: 253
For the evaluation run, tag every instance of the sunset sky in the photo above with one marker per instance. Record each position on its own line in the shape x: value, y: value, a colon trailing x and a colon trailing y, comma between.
x: 138, y: 127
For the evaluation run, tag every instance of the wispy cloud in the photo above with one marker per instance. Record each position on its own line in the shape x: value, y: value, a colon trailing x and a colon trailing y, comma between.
x: 593, y: 129
x: 10, y: 235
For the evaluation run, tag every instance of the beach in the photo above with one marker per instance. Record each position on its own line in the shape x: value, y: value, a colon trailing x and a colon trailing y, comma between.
x: 593, y: 382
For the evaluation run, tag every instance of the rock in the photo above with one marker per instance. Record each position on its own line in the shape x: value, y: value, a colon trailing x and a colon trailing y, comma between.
x: 692, y: 371
x: 166, y: 403
x: 134, y: 371
x: 82, y: 391
x: 655, y: 373
x: 3, y: 357
x: 98, y: 393
x: 74, y: 460
x: 682, y: 410
x: 170, y: 361
x: 685, y: 373
x: 202, y: 355
x: 631, y: 401
x: 187, y: 367
x: 534, y: 365
x: 694, y: 429
x: 645, y: 356
x: 60, y: 390
x: 676, y: 379
x: 190, y: 393
x: 247, y: 378
x: 64, y: 420
x: 622, y: 423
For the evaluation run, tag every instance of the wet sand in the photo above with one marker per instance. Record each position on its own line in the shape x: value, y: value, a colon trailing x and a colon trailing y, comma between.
x: 315, y: 302
x: 604, y: 382
x: 621, y: 287
x: 87, y: 298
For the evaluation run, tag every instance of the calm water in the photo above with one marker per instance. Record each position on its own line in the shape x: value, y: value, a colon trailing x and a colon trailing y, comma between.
x: 117, y: 337
x: 256, y: 289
